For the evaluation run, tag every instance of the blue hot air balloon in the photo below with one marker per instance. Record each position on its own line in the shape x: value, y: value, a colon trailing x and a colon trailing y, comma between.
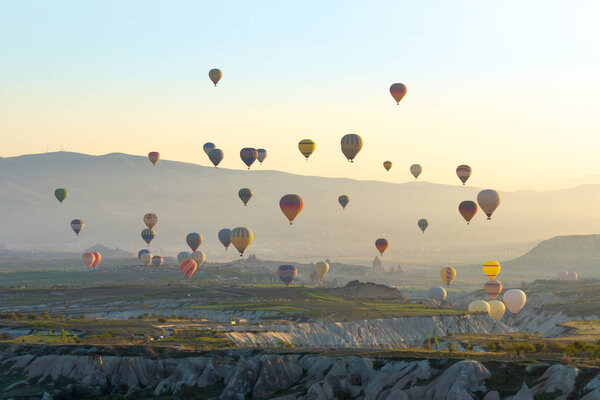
x: 248, y: 155
x: 225, y: 237
x: 194, y: 240
x: 143, y: 251
x: 262, y: 154
x: 215, y: 156
x: 157, y: 261
x: 208, y: 146
x: 148, y: 235
x: 287, y: 273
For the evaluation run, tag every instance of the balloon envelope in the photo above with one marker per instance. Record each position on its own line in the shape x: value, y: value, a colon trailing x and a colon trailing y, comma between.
x: 146, y: 259
x: 262, y: 154
x: 183, y: 255
x: 61, y: 194
x: 88, y: 259
x: 153, y: 156
x: 398, y: 91
x: 291, y: 205
x: 497, y: 309
x: 157, y: 261
x: 248, y: 155
x: 245, y: 195
x: 148, y: 235
x: 351, y: 145
x: 77, y: 225
x: 479, y: 306
x: 437, y: 293
x: 225, y: 237
x: 287, y: 273
x: 215, y: 156
x: 491, y: 269
x: 194, y: 240
x: 514, y: 300
x: 215, y: 75
x: 188, y: 267
x: 447, y: 274
x: 423, y: 224
x: 493, y: 288
x: 241, y: 238
x: 306, y: 147
x: 467, y: 209
x: 142, y: 252
x: 463, y: 172
x: 572, y: 276
x: 208, y: 146
x: 343, y: 200
x: 97, y: 259
x: 416, y: 170
x: 199, y: 257
x: 150, y: 220
x: 381, y: 244
x: 321, y: 269
x: 489, y: 200
x: 387, y: 165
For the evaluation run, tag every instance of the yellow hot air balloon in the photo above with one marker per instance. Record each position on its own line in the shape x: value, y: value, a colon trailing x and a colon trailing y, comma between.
x: 321, y: 268
x: 241, y: 238
x: 387, y: 165
x: 491, y: 269
x: 150, y: 220
x: 479, y: 306
x: 146, y: 259
x: 306, y: 147
x: 497, y: 309
x: 447, y: 274
x: 351, y: 145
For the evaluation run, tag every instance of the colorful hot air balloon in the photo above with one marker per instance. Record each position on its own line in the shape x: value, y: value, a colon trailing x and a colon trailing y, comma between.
x: 497, y: 309
x: 467, y: 209
x: 463, y: 172
x: 157, y: 261
x: 343, y: 200
x: 287, y: 273
x: 488, y: 201
x: 245, y: 195
x: 351, y: 145
x: 194, y: 240
x: 215, y: 75
x: 563, y: 275
x: 146, y: 259
x: 291, y: 205
x: 437, y: 293
x: 321, y: 269
x: 514, y: 299
x: 148, y: 235
x: 60, y: 194
x: 479, y: 306
x: 241, y: 238
x: 153, y: 156
x: 208, y: 146
x: 306, y: 147
x: 493, y: 288
x: 248, y: 155
x: 199, y: 257
x: 183, y: 255
x: 77, y: 225
x: 262, y: 154
x: 188, y: 267
x: 447, y: 274
x: 215, y: 156
x: 225, y: 237
x: 97, y: 259
x: 387, y: 165
x: 142, y: 252
x: 88, y: 259
x: 382, y: 245
x: 398, y: 91
x: 423, y: 224
x: 150, y: 220
x: 491, y: 269
x: 416, y: 170
x: 572, y: 276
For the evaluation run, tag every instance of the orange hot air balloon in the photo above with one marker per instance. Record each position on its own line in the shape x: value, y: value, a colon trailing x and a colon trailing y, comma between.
x: 467, y: 209
x: 88, y: 259
x: 493, y: 288
x: 398, y: 91
x: 188, y: 267
x: 97, y: 259
x: 291, y: 205
x: 382, y: 245
x: 153, y: 156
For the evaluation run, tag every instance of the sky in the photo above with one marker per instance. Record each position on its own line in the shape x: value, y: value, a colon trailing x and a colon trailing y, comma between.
x: 507, y: 87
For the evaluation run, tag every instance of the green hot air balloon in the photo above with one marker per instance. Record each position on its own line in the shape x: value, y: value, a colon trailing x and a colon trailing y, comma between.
x: 61, y: 194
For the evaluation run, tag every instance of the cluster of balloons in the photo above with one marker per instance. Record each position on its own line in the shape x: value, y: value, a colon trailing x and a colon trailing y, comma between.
x: 149, y: 233
x: 189, y: 262
x: 91, y: 259
x: 287, y: 273
x: 567, y: 276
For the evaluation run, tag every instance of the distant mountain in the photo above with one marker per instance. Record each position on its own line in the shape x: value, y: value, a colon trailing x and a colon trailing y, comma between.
x: 108, y: 253
x: 111, y: 193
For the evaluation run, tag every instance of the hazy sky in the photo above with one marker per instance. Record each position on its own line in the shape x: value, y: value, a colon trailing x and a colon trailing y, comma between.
x: 508, y: 87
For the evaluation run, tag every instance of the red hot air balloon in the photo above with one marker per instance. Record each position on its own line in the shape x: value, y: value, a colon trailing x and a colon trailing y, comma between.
x: 153, y: 156
x: 88, y: 259
x: 188, y: 267
x: 97, y: 259
x: 291, y: 205
x: 398, y: 91
x: 467, y: 209
x: 382, y: 245
x: 493, y: 288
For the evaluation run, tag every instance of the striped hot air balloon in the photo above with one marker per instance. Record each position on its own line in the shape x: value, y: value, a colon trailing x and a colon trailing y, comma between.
x: 398, y: 91
x: 343, y: 200
x: 153, y: 156
x: 291, y: 205
x: 199, y: 257
x: 157, y: 261
x: 215, y: 75
x: 306, y: 147
x: 351, y: 145
x: 225, y: 237
x: 262, y: 154
x: 463, y: 172
x: 150, y: 220
x: 493, y: 288
x: 77, y: 226
x: 183, y: 255
x: 97, y: 259
x: 241, y: 238
x: 491, y: 269
x: 142, y: 252
x: 208, y: 146
x: 146, y: 259
x: 447, y: 274
x: 245, y: 195
x: 287, y: 273
x: 381, y: 244
x: 215, y: 156
x: 248, y: 155
x: 88, y: 259
x: 188, y: 267
x: 416, y: 170
x: 194, y: 240
x: 387, y: 165
x: 467, y: 209
x: 148, y: 235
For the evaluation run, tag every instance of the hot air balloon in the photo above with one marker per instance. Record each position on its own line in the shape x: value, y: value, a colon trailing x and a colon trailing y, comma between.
x: 306, y: 147
x: 321, y: 269
x: 77, y: 226
x: 479, y: 306
x: 437, y: 293
x: 491, y: 269
x: 497, y: 309
x: 199, y: 257
x: 150, y: 220
x: 493, y: 288
x: 188, y: 267
x: 215, y: 75
x: 245, y: 195
x: 248, y: 155
x: 343, y: 200
x: 572, y: 276
x: 423, y: 224
x: 157, y: 261
x: 463, y: 172
x: 88, y: 259
x: 514, y: 300
x: 563, y: 275
x: 142, y: 252
x: 183, y: 255
x: 241, y: 238
x: 215, y: 156
x: 382, y: 245
x: 60, y: 194
x: 97, y: 259
x: 262, y: 154
x: 447, y: 274
x: 208, y: 146
x: 488, y: 201
x: 148, y: 235
x: 291, y: 205
x: 398, y: 91
x: 146, y: 259
x: 225, y: 237
x: 467, y: 209
x: 194, y: 240
x: 351, y: 145
x: 387, y: 165
x: 287, y: 273
x: 416, y: 170
x: 153, y: 156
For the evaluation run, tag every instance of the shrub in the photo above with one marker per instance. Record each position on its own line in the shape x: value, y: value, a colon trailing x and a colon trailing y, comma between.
x: 540, y: 347
x: 285, y: 344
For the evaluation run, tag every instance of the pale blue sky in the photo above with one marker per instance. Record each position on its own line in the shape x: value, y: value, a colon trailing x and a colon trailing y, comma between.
x: 508, y: 87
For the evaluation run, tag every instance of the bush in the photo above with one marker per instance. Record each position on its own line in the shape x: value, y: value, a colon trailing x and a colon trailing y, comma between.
x: 32, y: 316
x: 285, y: 344
x: 540, y: 347
x: 557, y: 347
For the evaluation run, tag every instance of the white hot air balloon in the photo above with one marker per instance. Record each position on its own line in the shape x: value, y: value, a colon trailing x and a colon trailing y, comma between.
x: 514, y: 299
